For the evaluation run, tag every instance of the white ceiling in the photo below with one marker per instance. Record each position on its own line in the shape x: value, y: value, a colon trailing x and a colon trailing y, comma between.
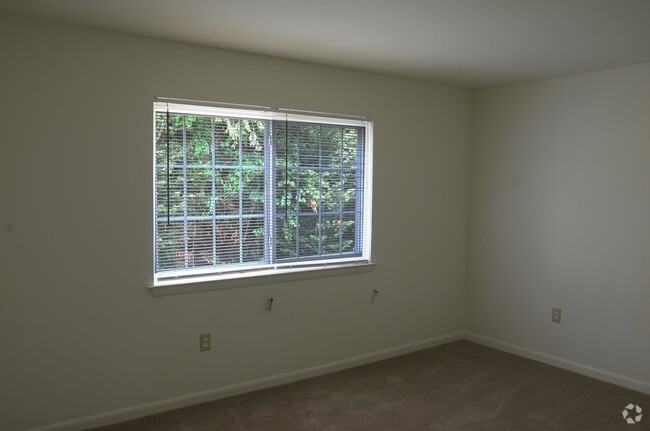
x: 470, y: 43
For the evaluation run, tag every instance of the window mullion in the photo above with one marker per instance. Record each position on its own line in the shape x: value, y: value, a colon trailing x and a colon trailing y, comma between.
x: 320, y: 190
x: 341, y: 196
x: 297, y: 191
x: 185, y: 234
x: 241, y: 195
x: 214, y: 192
x: 269, y: 192
x: 358, y: 225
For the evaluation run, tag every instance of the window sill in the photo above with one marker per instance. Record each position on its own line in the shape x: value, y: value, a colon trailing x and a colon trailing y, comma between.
x: 232, y: 281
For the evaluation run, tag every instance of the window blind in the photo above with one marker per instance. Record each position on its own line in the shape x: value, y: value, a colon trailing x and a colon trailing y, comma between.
x: 237, y: 190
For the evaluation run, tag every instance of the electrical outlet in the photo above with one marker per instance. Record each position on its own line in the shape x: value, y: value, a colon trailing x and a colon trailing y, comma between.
x: 204, y: 342
x: 557, y: 315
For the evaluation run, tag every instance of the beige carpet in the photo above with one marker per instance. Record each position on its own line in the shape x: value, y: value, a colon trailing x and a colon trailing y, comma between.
x: 458, y: 386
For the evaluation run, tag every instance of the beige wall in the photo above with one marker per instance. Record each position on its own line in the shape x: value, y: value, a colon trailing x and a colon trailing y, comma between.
x: 560, y: 217
x: 80, y: 334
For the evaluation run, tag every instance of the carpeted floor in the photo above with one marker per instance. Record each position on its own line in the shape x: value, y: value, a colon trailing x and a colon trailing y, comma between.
x: 454, y: 387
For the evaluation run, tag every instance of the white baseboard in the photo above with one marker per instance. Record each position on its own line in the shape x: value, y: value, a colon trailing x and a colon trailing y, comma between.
x: 147, y: 409
x: 586, y: 370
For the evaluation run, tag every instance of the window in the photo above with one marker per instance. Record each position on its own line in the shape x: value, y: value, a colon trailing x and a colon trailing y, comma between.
x: 243, y: 190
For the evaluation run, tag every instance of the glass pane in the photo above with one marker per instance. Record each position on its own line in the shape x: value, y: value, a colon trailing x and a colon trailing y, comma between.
x: 309, y: 191
x: 308, y: 141
x: 252, y: 142
x: 176, y: 204
x: 308, y: 236
x: 174, y: 253
x: 351, y: 138
x: 175, y: 138
x: 226, y: 134
x: 169, y: 242
x: 332, y: 137
x: 227, y: 191
x: 285, y: 237
x: 331, y: 195
x: 198, y: 136
x: 199, y: 192
x: 199, y: 243
x: 348, y: 229
x: 349, y: 191
x: 252, y: 191
x: 228, y: 242
x: 253, y: 239
x: 285, y: 191
x: 286, y: 147
x: 330, y: 235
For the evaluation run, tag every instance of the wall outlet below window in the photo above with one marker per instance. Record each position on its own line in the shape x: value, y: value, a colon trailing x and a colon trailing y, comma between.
x: 557, y: 315
x: 204, y: 342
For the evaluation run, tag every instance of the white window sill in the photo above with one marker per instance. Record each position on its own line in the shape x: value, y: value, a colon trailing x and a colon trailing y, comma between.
x: 230, y: 281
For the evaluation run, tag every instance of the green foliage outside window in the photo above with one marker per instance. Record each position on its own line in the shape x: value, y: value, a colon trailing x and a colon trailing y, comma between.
x: 214, y: 213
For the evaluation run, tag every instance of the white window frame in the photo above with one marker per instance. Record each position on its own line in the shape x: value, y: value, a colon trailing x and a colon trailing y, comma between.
x: 308, y: 268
